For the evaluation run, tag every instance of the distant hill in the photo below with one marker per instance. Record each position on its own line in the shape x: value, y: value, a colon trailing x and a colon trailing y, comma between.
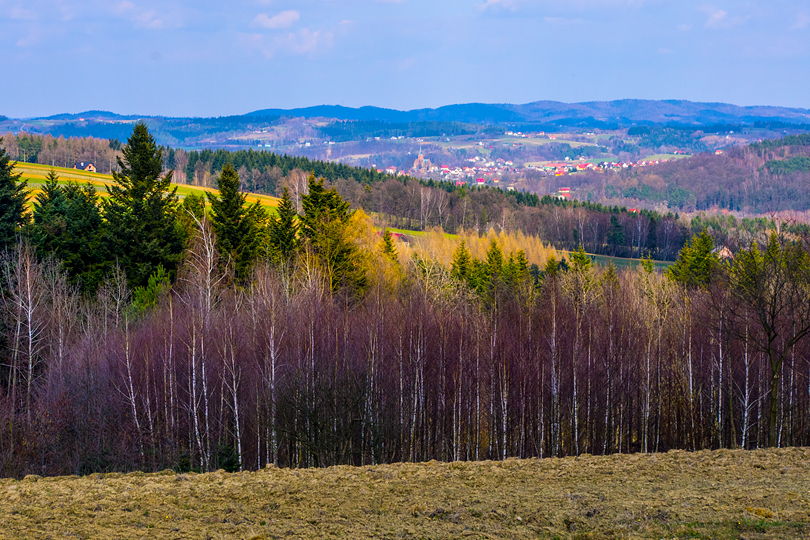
x: 622, y: 112
x: 769, y: 176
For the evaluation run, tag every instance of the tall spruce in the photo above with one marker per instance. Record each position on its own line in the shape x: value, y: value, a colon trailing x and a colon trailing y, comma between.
x: 283, y: 230
x: 237, y: 224
x: 67, y: 225
x: 697, y: 262
x: 13, y: 194
x: 324, y: 226
x: 142, y: 228
x: 461, y: 267
x: 388, y: 247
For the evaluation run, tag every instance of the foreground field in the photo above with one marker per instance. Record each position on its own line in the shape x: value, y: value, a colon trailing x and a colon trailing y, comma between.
x: 713, y: 494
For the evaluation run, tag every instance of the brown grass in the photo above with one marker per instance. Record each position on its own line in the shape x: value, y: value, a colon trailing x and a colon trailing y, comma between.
x: 711, y: 494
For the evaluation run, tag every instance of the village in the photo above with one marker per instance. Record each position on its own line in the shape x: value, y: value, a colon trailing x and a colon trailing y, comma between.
x: 480, y: 171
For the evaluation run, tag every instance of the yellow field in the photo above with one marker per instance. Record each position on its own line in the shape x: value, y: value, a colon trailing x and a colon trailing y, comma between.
x: 35, y: 174
x: 709, y: 494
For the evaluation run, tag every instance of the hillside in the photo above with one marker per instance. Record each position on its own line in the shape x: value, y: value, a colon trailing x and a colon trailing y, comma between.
x: 709, y: 494
x: 36, y: 174
x: 764, y: 177
x: 549, y: 115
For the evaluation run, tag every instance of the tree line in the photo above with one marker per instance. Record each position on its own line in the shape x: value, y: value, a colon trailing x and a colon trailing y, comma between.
x: 218, y: 335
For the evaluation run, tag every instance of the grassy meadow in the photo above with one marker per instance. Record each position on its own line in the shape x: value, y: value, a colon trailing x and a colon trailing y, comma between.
x: 708, y: 494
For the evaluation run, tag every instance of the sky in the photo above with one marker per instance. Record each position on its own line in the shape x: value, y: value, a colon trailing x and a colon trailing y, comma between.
x: 212, y: 58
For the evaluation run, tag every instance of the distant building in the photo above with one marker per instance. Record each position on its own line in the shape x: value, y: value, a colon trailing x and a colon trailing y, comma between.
x: 723, y: 253
x: 564, y: 193
x: 88, y: 166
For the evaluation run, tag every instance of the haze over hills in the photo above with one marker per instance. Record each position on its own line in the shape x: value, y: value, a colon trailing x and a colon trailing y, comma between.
x: 624, y: 112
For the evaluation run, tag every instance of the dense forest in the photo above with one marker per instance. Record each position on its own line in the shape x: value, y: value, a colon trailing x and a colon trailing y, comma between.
x: 765, y: 177
x: 143, y: 333
x: 400, y: 201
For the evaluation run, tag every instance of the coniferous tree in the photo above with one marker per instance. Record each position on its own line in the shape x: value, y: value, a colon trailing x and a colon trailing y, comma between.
x: 388, y: 247
x: 142, y: 228
x: 49, y: 217
x: 67, y: 225
x: 461, y: 267
x: 237, y: 225
x: 191, y: 211
x: 283, y: 230
x: 324, y: 226
x: 13, y: 194
x: 696, y: 263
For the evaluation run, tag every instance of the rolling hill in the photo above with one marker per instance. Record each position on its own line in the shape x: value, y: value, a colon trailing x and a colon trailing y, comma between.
x: 205, y: 132
x: 35, y: 174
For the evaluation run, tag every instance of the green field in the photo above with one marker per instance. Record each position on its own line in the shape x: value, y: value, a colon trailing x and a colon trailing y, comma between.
x: 708, y: 494
x: 666, y: 156
x: 35, y: 175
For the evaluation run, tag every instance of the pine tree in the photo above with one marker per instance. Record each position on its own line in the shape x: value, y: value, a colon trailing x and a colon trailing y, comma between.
x: 321, y: 205
x: 388, y: 247
x: 696, y: 263
x: 324, y: 226
x: 615, y: 234
x: 494, y: 265
x: 283, y: 231
x: 461, y: 266
x: 67, y: 225
x: 581, y: 261
x: 142, y: 228
x: 49, y: 218
x: 13, y: 194
x: 237, y: 225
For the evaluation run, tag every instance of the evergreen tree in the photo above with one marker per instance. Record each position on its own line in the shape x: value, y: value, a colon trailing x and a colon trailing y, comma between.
x: 283, y: 230
x: 388, y: 247
x: 49, y: 218
x: 191, y: 210
x: 696, y: 263
x: 13, y: 194
x: 461, y: 267
x: 580, y: 261
x: 237, y: 225
x: 142, y: 228
x: 615, y: 234
x: 324, y: 226
x: 494, y: 265
x: 321, y: 205
x: 67, y: 225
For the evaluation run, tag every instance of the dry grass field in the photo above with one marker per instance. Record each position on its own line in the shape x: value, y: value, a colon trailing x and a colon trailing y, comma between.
x: 710, y: 494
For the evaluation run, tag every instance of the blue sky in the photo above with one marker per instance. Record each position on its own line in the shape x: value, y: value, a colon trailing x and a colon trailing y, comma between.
x: 214, y: 58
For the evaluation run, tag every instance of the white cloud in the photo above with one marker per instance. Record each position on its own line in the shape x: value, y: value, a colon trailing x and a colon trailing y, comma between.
x: 303, y: 42
x: 720, y: 18
x: 559, y: 21
x: 515, y: 5
x: 150, y: 19
x: 284, y: 19
x: 500, y: 5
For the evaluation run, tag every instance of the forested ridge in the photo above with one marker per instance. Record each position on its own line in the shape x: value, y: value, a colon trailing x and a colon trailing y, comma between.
x: 768, y: 176
x: 400, y: 201
x: 140, y: 332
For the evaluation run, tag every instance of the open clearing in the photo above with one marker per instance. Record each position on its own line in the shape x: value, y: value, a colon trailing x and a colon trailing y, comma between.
x: 711, y: 494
